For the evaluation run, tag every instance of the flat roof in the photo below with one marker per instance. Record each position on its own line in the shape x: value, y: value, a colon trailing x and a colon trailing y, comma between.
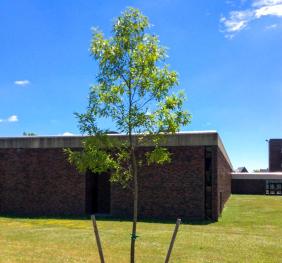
x: 275, y: 139
x: 257, y: 176
x: 191, y: 138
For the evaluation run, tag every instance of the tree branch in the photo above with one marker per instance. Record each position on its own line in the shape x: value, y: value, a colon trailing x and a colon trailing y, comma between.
x: 147, y: 101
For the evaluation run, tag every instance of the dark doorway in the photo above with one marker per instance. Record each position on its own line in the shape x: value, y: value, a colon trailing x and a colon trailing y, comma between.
x: 98, y: 193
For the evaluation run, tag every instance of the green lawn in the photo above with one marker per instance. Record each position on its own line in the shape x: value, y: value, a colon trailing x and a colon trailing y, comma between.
x: 250, y: 230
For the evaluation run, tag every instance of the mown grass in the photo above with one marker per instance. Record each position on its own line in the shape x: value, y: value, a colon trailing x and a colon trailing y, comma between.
x: 250, y: 230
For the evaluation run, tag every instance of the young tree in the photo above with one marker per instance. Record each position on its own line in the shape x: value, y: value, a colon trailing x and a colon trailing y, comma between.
x: 134, y: 90
x: 29, y: 134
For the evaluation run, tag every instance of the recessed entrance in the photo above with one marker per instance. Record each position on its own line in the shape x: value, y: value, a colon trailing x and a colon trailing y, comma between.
x: 98, y: 193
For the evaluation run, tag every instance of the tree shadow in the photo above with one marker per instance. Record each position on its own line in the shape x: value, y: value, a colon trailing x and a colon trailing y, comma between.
x: 106, y: 217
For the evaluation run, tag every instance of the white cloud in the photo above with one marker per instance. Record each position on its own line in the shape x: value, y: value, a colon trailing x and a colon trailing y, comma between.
x: 259, y: 3
x: 273, y: 26
x: 68, y: 134
x: 237, y: 20
x: 13, y: 118
x: 275, y: 10
x: 22, y: 82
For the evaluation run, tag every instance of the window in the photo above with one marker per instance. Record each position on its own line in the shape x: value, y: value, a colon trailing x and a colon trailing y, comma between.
x: 273, y: 187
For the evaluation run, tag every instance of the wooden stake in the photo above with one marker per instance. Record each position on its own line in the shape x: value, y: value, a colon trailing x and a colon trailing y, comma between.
x: 178, y: 221
x: 97, y: 239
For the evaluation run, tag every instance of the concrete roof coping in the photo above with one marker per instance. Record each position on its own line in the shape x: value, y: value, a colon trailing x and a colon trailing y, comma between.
x: 184, y: 138
x: 257, y: 176
x: 110, y: 134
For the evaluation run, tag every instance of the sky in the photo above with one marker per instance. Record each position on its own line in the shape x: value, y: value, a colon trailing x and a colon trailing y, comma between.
x: 228, y: 55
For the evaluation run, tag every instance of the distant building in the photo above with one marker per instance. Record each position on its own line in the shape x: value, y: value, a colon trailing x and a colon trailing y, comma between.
x: 275, y: 155
x: 261, y: 181
x: 269, y: 183
x: 263, y: 170
x: 241, y: 170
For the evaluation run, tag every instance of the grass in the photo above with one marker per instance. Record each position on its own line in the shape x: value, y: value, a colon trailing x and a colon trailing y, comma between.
x: 250, y: 230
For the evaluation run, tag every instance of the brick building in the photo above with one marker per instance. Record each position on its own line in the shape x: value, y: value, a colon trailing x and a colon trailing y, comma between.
x: 268, y: 183
x: 36, y: 179
x: 275, y: 155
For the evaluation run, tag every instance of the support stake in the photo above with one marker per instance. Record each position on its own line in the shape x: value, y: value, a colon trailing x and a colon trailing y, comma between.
x: 96, y: 232
x: 178, y: 221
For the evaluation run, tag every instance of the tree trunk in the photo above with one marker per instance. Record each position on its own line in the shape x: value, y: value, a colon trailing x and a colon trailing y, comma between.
x: 135, y: 207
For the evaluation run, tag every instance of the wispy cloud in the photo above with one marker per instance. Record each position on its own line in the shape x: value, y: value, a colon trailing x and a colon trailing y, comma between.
x: 273, y: 26
x: 238, y: 20
x: 12, y: 118
x: 208, y: 123
x: 22, y: 82
x: 260, y: 3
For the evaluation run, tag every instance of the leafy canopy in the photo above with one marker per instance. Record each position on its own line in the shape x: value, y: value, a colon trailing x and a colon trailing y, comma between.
x: 134, y: 89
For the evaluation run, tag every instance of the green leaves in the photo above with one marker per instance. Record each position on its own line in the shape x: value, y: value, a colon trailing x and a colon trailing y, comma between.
x: 135, y: 90
x: 132, y: 80
x: 103, y: 153
x: 95, y: 155
x: 159, y: 155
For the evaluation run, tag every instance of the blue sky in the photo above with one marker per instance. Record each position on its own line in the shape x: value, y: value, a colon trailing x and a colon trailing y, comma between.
x: 228, y: 55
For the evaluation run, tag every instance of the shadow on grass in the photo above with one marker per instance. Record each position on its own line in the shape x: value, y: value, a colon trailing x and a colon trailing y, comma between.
x: 106, y: 217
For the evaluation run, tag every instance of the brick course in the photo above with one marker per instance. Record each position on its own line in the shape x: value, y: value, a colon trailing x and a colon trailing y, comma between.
x: 248, y: 186
x: 223, y: 182
x: 168, y: 191
x: 39, y: 182
x: 275, y: 155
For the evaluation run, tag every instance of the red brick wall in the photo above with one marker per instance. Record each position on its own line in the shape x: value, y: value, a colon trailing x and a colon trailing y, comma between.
x: 169, y: 191
x: 222, y: 184
x: 39, y: 182
x: 248, y: 186
x: 42, y: 182
x: 275, y: 155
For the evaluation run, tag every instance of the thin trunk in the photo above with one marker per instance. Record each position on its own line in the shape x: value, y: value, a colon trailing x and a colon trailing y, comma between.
x: 135, y: 208
x: 134, y: 171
